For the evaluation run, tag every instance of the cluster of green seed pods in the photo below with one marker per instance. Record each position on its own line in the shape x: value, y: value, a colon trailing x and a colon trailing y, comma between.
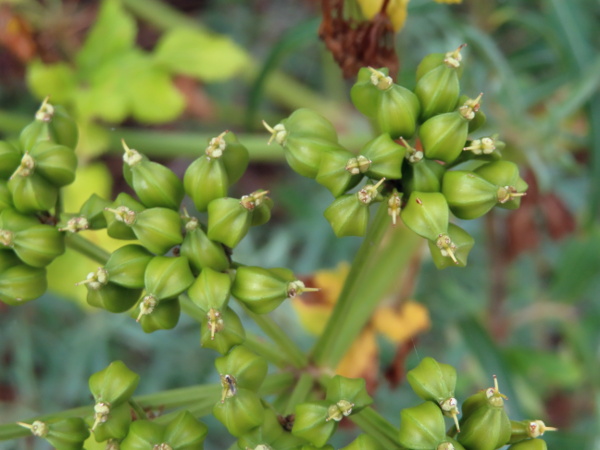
x: 441, y: 122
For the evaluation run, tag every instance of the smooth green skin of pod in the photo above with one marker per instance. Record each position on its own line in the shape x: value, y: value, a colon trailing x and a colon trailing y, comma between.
x: 117, y: 425
x: 398, y: 112
x: 32, y: 193
x: 530, y: 444
x: 15, y: 221
x: 167, y: 276
x: 438, y: 91
x: 114, y: 384
x: 164, y: 316
x: 10, y: 158
x: 67, y: 434
x: 158, y: 229
x: 155, y: 184
x: 261, y: 213
x: 364, y: 94
x: 206, y: 180
x: 56, y: 163
x: 248, y: 368
x: 504, y: 173
x: 8, y: 259
x: 422, y: 427
x: 469, y: 196
x: 126, y: 266
x: 527, y: 429
x: 240, y: 413
x: 230, y: 335
x: 210, y: 289
x: 266, y: 434
x: 228, y: 221
x: 235, y: 157
x: 432, y: 61
x: 311, y: 424
x: 38, y: 245
x: 426, y: 213
x: 21, y: 283
x: 386, y: 156
x: 348, y: 216
x: 307, y: 122
x: 463, y: 241
x: 423, y: 176
x: 182, y: 432
x: 261, y: 290
x: 115, y: 228
x: 112, y: 297
x: 203, y: 253
x: 364, y: 442
x: 5, y: 197
x: 333, y: 174
x: 58, y: 127
x: 483, y: 426
x: 444, y: 136
x: 93, y: 211
x: 432, y: 380
x: 353, y: 390
x: 303, y: 153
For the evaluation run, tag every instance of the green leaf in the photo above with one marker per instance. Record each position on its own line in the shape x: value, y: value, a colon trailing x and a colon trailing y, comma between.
x: 209, y: 57
x: 154, y: 97
x: 54, y: 80
x: 113, y: 33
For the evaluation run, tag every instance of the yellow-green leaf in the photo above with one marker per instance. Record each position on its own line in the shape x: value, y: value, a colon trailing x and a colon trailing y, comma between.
x: 55, y: 80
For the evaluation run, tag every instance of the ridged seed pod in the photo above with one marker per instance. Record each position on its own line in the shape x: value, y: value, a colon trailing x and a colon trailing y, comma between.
x: 351, y: 390
x: 434, y: 60
x: 221, y: 330
x: 311, y: 422
x: 10, y: 158
x: 269, y: 435
x: 154, y: 184
x: 22, y: 283
x: 240, y: 410
x: 385, y: 158
x: 426, y: 213
x: 248, y: 369
x: 164, y: 314
x: 158, y: 229
x: 111, y: 421
x: 444, y: 135
x: 114, y: 384
x: 53, y: 123
x: 200, y: 250
x: 167, y: 277
x: 364, y: 442
x: 5, y: 197
x: 469, y: 195
x: 422, y: 427
x: 112, y: 297
x: 505, y: 175
x: 451, y: 249
x: 62, y: 434
x: 56, y: 163
x: 118, y: 224
x: 530, y: 444
x: 527, y: 429
x: 210, y: 290
x: 31, y: 192
x: 93, y: 211
x: 205, y: 180
x: 126, y: 266
x: 334, y: 174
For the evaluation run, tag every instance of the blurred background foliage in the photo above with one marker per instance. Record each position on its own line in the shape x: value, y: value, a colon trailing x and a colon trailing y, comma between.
x: 166, y: 76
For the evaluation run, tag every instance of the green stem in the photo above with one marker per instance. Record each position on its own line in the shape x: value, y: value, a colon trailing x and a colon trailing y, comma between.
x: 300, y: 393
x: 137, y: 408
x: 267, y: 350
x: 384, y: 254
x: 372, y: 423
x: 289, y: 348
x: 86, y: 247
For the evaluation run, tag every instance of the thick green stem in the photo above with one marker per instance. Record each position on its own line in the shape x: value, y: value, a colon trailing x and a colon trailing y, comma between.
x: 300, y: 393
x: 86, y: 247
x: 383, y: 256
x: 294, y: 354
x: 267, y: 350
x: 372, y: 423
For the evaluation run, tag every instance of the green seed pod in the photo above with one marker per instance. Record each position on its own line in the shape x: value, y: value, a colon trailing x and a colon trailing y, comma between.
x: 56, y: 163
x: 117, y: 223
x: 530, y: 444
x: 385, y: 158
x: 221, y: 330
x: 527, y: 429
x: 393, y: 108
x: 235, y: 156
x: 104, y: 294
x: 444, y: 136
x: 14, y: 221
x: 364, y: 442
x: 31, y: 192
x: 435, y: 382
x: 505, y: 175
x: 63, y: 434
x: 205, y: 180
x: 305, y: 137
x: 35, y: 245
x: 229, y: 219
x: 93, y: 211
x: 351, y: 390
x: 200, y: 250
x: 422, y: 427
x: 348, y: 215
x: 126, y: 266
x: 485, y: 424
x: 469, y: 196
x: 111, y: 422
x: 157, y: 229
x: 210, y: 289
x: 313, y: 422
x: 334, y: 173
x: 5, y: 197
x: 53, y: 123
x: 7, y: 260
x: 451, y: 249
x: 10, y: 158
x: 426, y: 213
x: 164, y: 314
x: 434, y: 60
x: 246, y: 367
x: 269, y: 435
x: 262, y: 290
x: 438, y: 88
x: 21, y: 283
x: 114, y: 384
x: 167, y: 277
x: 240, y: 409
x: 154, y: 184
x: 262, y: 211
